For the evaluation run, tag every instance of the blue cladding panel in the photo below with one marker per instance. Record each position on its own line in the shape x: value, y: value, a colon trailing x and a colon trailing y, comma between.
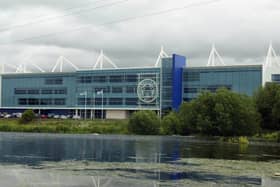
x: 179, y: 62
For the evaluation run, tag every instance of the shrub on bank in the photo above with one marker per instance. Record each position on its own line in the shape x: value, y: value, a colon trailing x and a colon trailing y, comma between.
x: 170, y: 124
x: 223, y: 113
x: 144, y: 123
x: 267, y: 101
x: 27, y: 117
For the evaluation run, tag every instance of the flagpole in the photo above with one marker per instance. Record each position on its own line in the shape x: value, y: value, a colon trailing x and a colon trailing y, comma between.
x: 102, y: 105
x: 94, y: 104
x: 85, y: 105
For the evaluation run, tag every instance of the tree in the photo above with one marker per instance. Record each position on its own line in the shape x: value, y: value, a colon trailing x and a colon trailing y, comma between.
x: 144, y: 123
x: 170, y: 124
x: 27, y: 117
x: 268, y: 105
x: 187, y: 125
x: 222, y: 113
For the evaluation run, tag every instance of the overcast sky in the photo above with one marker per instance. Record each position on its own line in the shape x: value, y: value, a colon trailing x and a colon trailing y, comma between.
x: 240, y: 29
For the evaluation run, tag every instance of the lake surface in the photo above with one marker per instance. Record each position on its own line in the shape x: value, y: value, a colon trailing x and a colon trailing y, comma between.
x: 126, y: 161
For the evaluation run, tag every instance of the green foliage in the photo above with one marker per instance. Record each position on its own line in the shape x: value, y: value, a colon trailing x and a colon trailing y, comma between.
x: 144, y: 123
x: 186, y: 116
x: 66, y: 126
x: 268, y: 105
x: 223, y: 113
x: 170, y: 124
x: 27, y: 117
x: 243, y: 140
x: 269, y: 136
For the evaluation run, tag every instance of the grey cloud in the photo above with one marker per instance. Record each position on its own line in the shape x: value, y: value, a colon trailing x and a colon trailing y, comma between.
x: 240, y: 29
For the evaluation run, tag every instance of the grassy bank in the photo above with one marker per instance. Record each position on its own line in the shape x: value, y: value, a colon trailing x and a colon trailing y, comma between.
x: 71, y: 126
x: 66, y: 126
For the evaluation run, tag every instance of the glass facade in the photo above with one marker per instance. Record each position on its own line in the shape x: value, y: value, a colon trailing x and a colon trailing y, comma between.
x: 275, y: 78
x: 126, y: 89
x: 241, y: 79
x: 108, y: 89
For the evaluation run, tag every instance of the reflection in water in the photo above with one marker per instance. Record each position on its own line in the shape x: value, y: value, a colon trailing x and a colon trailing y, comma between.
x: 132, y: 160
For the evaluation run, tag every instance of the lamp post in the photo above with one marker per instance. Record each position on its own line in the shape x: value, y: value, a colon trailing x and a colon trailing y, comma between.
x: 85, y: 94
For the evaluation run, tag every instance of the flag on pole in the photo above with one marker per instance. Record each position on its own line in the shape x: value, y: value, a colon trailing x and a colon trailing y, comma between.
x: 100, y: 92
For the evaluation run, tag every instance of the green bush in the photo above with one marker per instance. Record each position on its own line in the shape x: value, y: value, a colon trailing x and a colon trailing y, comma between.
x: 268, y: 105
x: 223, y: 113
x: 243, y: 140
x: 170, y: 124
x: 27, y: 117
x: 144, y: 123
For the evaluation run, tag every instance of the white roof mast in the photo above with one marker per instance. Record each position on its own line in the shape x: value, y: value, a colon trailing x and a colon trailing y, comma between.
x: 101, y: 59
x: 162, y: 54
x: 271, y: 65
x: 60, y: 62
x: 213, y: 57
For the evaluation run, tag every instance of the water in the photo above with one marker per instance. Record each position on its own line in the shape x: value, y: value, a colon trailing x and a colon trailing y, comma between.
x: 91, y: 160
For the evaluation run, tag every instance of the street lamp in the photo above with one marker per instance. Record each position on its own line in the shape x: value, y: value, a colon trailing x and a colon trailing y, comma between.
x: 85, y: 94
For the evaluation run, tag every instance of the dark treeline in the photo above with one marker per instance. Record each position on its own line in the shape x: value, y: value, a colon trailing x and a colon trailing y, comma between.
x: 223, y: 113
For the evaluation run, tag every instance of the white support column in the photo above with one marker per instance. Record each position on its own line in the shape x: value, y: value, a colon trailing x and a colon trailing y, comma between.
x: 61, y: 65
x: 61, y: 61
x: 213, y: 57
x: 271, y: 65
x: 101, y: 59
x: 162, y: 54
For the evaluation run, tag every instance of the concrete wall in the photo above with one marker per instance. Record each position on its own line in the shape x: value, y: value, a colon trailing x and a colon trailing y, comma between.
x: 116, y: 114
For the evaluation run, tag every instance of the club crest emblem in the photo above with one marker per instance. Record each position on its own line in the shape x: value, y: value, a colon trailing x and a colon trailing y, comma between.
x: 147, y: 91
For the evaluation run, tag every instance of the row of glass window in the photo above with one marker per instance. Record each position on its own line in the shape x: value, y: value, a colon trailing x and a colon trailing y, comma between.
x: 20, y: 91
x: 276, y: 77
x: 211, y: 88
x: 42, y: 101
x: 192, y: 76
x: 54, y: 81
x: 114, y: 89
x: 108, y: 101
x: 113, y: 78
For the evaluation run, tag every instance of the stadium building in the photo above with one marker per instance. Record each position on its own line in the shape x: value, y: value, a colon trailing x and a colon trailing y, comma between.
x: 117, y: 92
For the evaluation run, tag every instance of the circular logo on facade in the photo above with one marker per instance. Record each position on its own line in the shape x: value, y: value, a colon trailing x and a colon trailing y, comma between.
x: 147, y: 91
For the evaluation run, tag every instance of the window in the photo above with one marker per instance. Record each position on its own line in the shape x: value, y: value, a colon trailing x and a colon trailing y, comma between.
x: 98, y: 101
x: 116, y: 78
x: 61, y: 91
x: 59, y: 101
x: 214, y: 88
x: 131, y: 78
x: 192, y: 76
x: 187, y: 99
x: 115, y: 101
x: 105, y: 89
x: 276, y: 78
x: 131, y: 101
x: 45, y: 91
x: 22, y: 101
x: 99, y: 79
x: 85, y: 79
x: 33, y: 92
x: 131, y: 89
x: 190, y: 90
x: 46, y: 102
x: 54, y: 81
x: 20, y: 91
x: 117, y: 90
x: 33, y: 101
x: 149, y: 76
